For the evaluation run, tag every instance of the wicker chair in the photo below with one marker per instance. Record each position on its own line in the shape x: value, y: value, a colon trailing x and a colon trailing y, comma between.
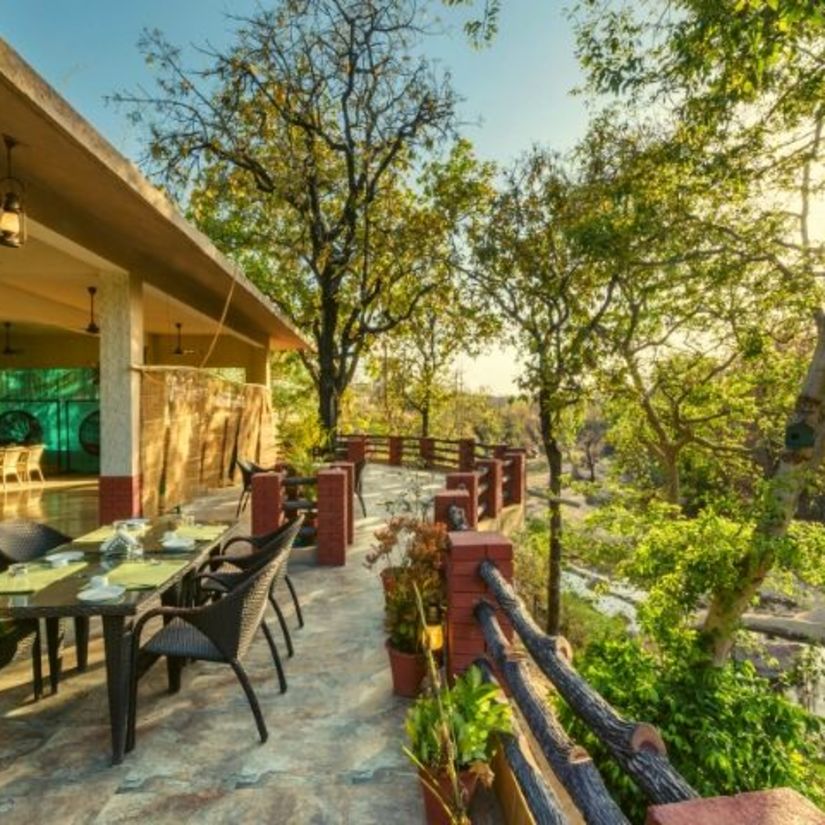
x: 24, y: 541
x: 222, y: 573
x: 31, y: 463
x: 9, y: 461
x: 221, y: 631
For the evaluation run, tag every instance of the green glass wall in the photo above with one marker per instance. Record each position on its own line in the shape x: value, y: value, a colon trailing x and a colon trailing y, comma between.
x: 56, y: 407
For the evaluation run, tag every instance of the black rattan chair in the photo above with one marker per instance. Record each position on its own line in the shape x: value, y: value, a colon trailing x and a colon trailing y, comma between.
x: 359, y: 480
x: 247, y: 471
x: 221, y: 631
x: 222, y: 573
x: 25, y: 541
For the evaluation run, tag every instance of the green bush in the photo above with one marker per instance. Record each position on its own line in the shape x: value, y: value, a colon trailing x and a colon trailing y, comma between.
x: 726, y: 729
x: 582, y: 624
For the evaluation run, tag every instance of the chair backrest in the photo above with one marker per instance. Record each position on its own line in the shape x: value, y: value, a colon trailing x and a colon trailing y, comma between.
x: 22, y: 541
x: 35, y: 455
x: 247, y: 471
x: 230, y: 623
x: 278, y: 542
x: 11, y: 458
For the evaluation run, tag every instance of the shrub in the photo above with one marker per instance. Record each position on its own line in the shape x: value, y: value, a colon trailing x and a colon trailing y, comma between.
x: 726, y: 729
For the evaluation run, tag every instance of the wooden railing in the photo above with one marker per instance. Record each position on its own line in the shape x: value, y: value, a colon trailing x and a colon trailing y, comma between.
x: 499, y: 470
x: 488, y: 599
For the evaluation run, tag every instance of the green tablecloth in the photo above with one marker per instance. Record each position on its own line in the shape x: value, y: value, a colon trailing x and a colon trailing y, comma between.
x: 145, y: 575
x: 37, y: 577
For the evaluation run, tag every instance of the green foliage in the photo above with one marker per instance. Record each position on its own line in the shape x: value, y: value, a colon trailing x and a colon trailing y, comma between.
x: 471, y: 712
x: 727, y: 730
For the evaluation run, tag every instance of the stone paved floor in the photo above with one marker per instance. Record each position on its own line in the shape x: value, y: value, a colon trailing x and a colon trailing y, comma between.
x: 334, y: 752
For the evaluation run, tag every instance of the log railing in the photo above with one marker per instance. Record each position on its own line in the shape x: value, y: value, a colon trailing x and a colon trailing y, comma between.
x: 484, y: 618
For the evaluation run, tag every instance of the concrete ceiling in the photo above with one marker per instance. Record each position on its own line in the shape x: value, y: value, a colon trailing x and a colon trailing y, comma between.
x: 81, y: 189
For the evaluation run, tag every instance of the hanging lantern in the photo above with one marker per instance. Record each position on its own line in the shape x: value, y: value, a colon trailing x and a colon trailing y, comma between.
x: 92, y: 328
x: 12, y: 211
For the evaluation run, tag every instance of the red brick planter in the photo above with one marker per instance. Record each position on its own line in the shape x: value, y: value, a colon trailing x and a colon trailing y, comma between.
x: 436, y: 815
x: 408, y: 672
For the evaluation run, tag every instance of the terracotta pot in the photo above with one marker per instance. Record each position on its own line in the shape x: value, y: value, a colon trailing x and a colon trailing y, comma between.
x: 408, y: 671
x: 435, y: 813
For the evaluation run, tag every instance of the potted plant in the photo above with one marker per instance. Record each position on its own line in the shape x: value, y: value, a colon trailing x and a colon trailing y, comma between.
x: 453, y: 734
x: 405, y: 627
x: 407, y: 542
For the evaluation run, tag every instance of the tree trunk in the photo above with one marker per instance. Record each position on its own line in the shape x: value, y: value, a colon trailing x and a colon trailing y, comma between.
x: 670, y: 468
x: 425, y: 420
x: 554, y: 458
x: 780, y: 500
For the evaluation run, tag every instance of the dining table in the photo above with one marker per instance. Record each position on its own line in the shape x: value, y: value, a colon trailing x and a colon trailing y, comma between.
x: 149, y: 574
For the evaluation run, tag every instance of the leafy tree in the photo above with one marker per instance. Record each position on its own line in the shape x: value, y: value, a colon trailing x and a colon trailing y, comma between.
x: 299, y: 141
x: 533, y: 266
x: 738, y: 86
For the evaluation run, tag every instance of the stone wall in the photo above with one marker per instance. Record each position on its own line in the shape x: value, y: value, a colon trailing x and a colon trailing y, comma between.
x: 193, y: 427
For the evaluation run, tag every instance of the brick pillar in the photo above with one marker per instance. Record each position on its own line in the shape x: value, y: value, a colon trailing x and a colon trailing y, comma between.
x: 396, y: 450
x: 465, y: 640
x: 444, y: 499
x: 493, y: 477
x: 466, y: 454
x: 332, y: 517
x: 119, y: 498
x: 357, y: 448
x: 426, y: 449
x: 267, y: 502
x: 780, y: 806
x: 349, y: 468
x: 468, y: 482
x: 518, y: 477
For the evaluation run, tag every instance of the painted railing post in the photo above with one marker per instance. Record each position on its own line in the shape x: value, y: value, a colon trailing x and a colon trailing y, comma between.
x: 426, y: 449
x: 349, y: 468
x: 396, y: 450
x: 500, y: 450
x: 444, y: 499
x: 466, y: 455
x: 357, y: 448
x: 518, y: 476
x: 267, y: 502
x: 332, y: 517
x: 465, y: 588
x: 468, y: 482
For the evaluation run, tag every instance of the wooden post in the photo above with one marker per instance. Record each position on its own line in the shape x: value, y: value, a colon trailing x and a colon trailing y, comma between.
x: 357, y: 448
x: 396, y: 450
x: 426, y: 449
x: 518, y: 476
x: 493, y: 478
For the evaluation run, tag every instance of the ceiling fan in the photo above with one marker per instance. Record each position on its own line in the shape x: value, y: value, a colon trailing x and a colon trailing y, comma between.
x: 8, y: 349
x: 179, y: 350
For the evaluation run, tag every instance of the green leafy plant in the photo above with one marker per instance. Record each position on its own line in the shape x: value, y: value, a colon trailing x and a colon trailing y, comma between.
x: 403, y: 621
x: 470, y: 713
x: 727, y: 730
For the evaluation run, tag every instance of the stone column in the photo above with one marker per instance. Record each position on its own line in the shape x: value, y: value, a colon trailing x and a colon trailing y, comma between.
x: 121, y: 347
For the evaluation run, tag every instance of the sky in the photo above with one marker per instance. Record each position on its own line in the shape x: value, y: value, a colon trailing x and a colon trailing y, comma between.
x: 516, y: 92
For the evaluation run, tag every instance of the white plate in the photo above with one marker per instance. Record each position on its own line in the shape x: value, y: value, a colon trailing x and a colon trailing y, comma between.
x: 178, y: 543
x: 64, y: 557
x: 101, y: 594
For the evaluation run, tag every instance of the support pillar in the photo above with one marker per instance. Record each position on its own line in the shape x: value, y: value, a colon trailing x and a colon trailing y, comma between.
x: 444, y: 499
x: 468, y: 482
x: 121, y: 348
x: 357, y: 448
x: 332, y: 517
x: 518, y: 476
x: 466, y: 455
x: 492, y: 478
x: 426, y: 450
x: 267, y: 502
x: 396, y: 450
x: 465, y: 588
x: 349, y: 468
